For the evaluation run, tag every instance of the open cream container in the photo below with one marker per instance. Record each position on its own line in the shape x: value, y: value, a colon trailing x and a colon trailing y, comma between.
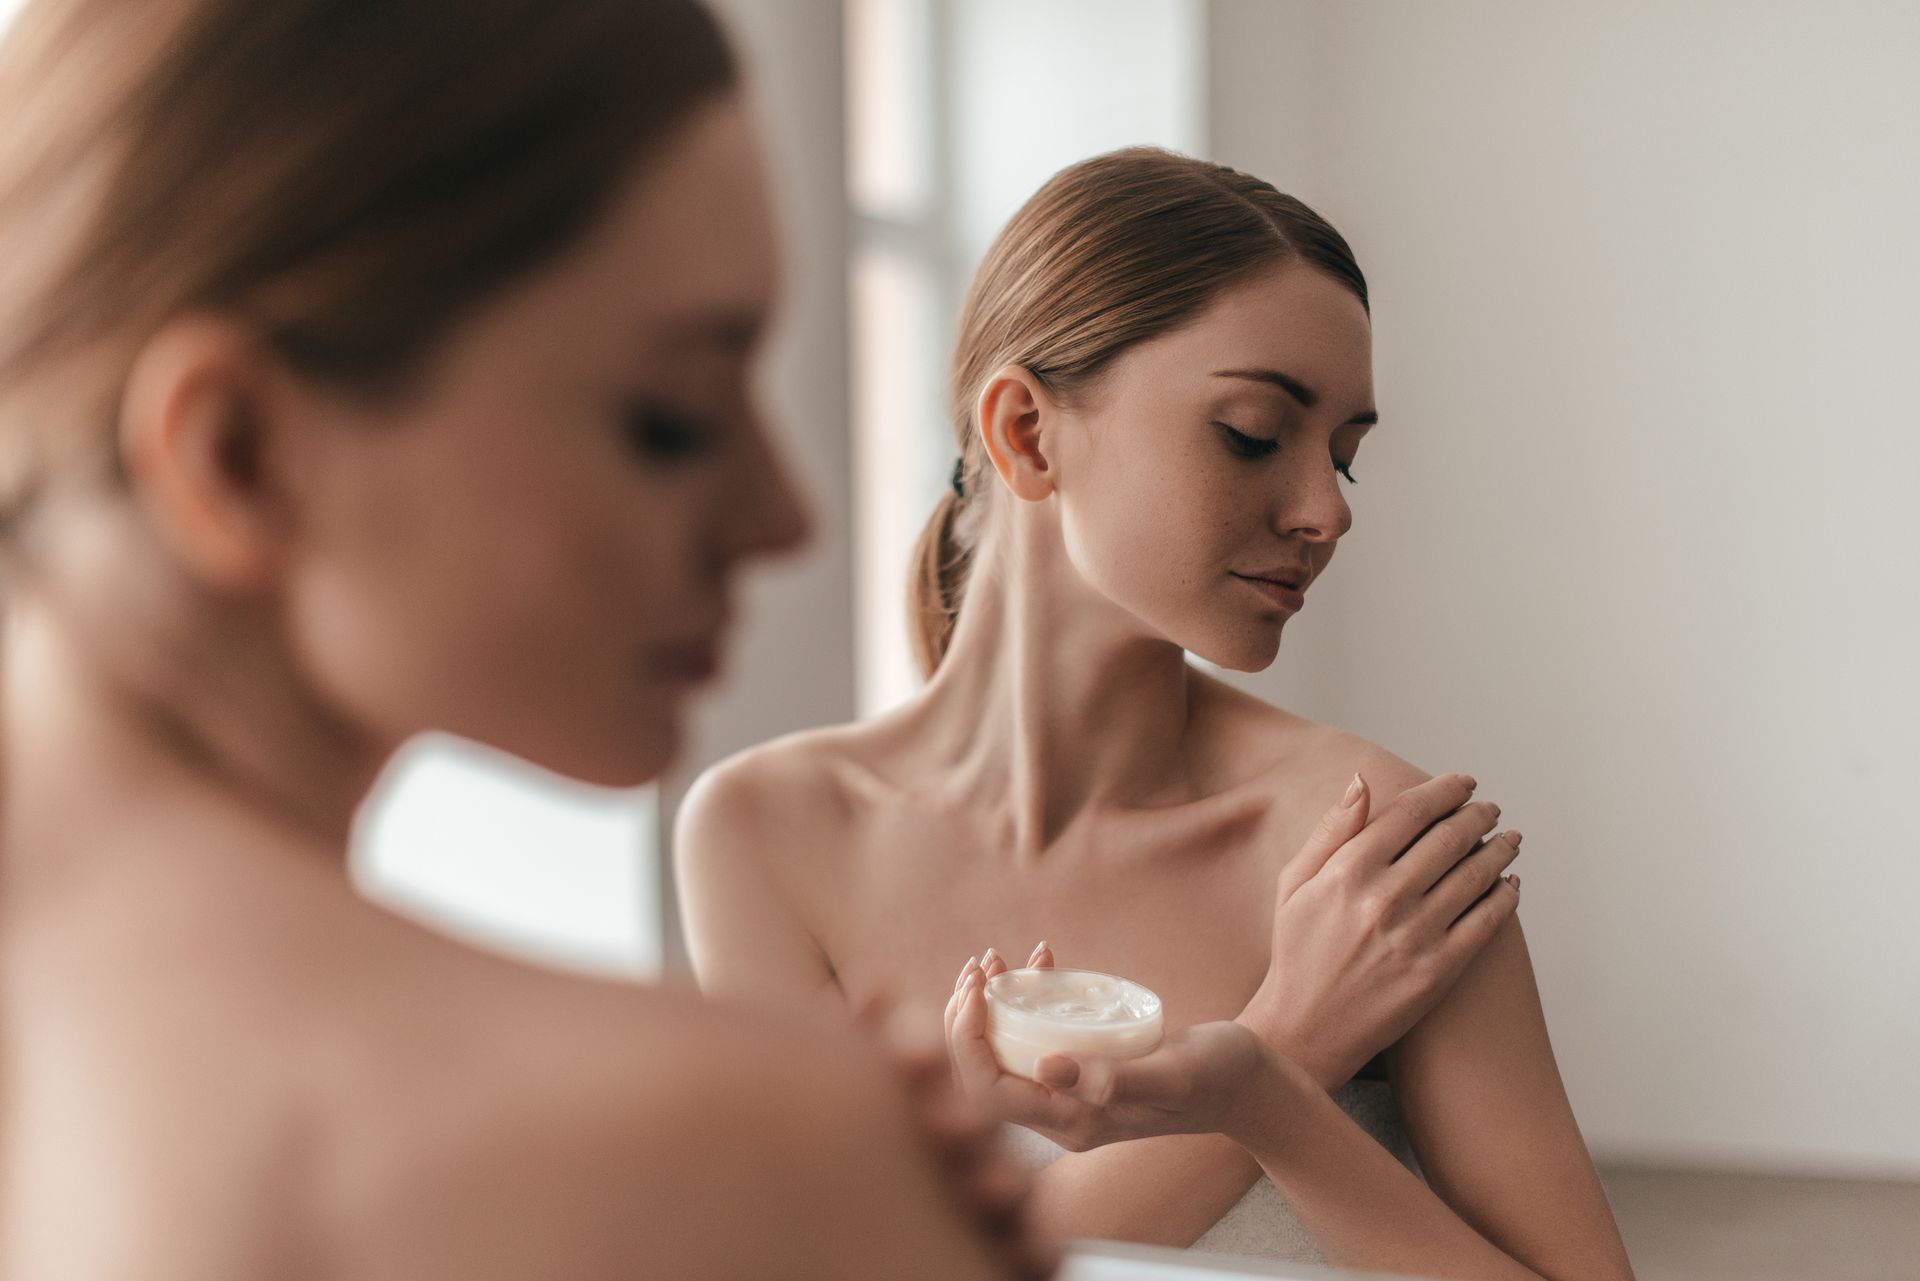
x: 1034, y: 1013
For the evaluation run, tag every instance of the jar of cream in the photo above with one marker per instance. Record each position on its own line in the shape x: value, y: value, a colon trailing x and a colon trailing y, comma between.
x: 1034, y: 1013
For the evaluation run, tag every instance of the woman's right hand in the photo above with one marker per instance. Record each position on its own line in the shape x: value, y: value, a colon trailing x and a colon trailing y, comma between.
x: 1197, y: 1081
x: 1374, y: 921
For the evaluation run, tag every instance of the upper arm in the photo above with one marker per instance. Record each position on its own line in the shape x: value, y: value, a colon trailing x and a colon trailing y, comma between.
x: 745, y: 933
x: 1491, y: 1123
x: 1486, y: 1109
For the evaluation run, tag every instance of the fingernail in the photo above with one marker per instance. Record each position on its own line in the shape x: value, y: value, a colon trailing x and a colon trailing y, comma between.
x: 1517, y: 838
x: 1472, y: 783
x: 1513, y: 879
x: 987, y: 960
x: 1354, y: 790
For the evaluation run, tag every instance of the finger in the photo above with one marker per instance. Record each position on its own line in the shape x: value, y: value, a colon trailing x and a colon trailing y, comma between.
x: 1336, y: 827
x: 1042, y: 958
x: 965, y: 970
x: 871, y: 1013
x: 1469, y: 936
x: 1398, y: 823
x: 913, y: 1039
x: 978, y: 1068
x: 1444, y: 846
x: 973, y: 1056
x: 1154, y: 1081
x: 1057, y: 1071
x: 1469, y: 879
x: 994, y: 1183
x: 960, y: 1125
x: 1038, y: 1258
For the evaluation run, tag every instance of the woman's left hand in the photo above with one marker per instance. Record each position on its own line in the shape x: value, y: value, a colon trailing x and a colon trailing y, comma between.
x: 1199, y: 1080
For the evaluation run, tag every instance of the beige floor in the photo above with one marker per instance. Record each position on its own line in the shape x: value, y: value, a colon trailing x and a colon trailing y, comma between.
x: 1685, y: 1226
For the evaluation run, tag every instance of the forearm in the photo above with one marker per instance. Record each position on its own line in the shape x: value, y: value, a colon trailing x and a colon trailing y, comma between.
x: 1364, y: 1209
x: 1160, y: 1191
x: 1172, y: 1189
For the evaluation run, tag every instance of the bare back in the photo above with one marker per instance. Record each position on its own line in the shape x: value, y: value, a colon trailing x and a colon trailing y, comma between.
x: 222, y: 1064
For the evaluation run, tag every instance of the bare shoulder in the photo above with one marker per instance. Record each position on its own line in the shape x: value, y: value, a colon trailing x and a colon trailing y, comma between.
x: 569, y: 1129
x: 802, y: 784
x: 1310, y: 762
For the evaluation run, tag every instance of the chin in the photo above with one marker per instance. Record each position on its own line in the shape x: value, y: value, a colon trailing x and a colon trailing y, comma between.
x: 1237, y: 649
x: 612, y: 759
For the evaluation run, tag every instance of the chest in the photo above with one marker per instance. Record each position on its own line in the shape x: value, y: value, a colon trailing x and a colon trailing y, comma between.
x: 1183, y: 903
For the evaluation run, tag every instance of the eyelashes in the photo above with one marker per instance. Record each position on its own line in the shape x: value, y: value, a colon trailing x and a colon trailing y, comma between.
x: 1257, y: 447
x: 660, y: 434
x: 1248, y: 446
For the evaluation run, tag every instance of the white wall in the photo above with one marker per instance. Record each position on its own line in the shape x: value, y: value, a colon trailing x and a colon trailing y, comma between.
x: 1636, y: 539
x: 790, y: 664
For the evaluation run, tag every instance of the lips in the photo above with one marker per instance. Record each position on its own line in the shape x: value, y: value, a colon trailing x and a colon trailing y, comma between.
x: 1292, y: 577
x: 694, y: 663
x: 1276, y: 591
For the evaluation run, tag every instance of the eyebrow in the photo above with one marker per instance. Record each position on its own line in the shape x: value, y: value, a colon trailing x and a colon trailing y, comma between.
x: 733, y: 331
x: 1306, y: 395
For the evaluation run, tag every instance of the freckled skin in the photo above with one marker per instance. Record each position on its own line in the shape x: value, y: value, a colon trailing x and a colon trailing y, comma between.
x: 1155, y: 510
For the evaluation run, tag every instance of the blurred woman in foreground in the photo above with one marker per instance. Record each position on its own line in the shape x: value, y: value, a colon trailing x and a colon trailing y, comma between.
x: 369, y: 367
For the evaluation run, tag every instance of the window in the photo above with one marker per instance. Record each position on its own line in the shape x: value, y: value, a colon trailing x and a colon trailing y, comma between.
x: 957, y: 111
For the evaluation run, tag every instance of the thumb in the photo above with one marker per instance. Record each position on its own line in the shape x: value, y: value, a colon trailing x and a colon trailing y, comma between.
x: 1340, y: 824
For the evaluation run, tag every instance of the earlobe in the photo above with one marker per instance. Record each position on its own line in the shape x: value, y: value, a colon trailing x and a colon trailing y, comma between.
x: 1014, y: 413
x: 193, y: 439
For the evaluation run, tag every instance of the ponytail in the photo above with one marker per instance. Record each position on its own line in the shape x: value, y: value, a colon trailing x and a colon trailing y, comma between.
x: 936, y: 583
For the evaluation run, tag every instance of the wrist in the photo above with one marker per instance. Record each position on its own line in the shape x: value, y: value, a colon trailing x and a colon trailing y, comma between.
x: 1268, y: 1019
x: 1272, y: 1091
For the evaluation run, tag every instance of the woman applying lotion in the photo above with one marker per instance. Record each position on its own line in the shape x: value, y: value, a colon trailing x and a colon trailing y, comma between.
x: 1161, y: 383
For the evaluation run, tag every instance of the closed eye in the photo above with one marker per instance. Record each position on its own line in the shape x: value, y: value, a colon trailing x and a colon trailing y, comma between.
x: 661, y: 434
x: 1247, y: 446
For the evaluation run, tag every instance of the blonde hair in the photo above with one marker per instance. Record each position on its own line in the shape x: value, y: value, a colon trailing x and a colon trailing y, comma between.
x: 1111, y: 252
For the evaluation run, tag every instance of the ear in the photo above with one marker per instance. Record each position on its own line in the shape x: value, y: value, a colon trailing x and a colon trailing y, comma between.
x: 195, y: 427
x: 1015, y: 413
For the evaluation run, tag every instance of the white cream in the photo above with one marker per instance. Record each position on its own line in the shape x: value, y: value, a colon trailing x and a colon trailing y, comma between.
x: 1033, y: 1013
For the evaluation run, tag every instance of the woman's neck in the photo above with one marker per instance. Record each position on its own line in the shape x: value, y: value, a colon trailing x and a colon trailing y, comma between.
x: 1052, y: 697
x: 96, y: 770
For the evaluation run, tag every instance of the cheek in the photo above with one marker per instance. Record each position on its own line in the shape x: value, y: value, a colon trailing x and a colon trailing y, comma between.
x: 510, y: 602
x: 1165, y: 530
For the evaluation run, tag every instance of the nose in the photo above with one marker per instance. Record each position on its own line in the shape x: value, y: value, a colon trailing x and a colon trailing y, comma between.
x: 1311, y: 505
x: 767, y: 514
